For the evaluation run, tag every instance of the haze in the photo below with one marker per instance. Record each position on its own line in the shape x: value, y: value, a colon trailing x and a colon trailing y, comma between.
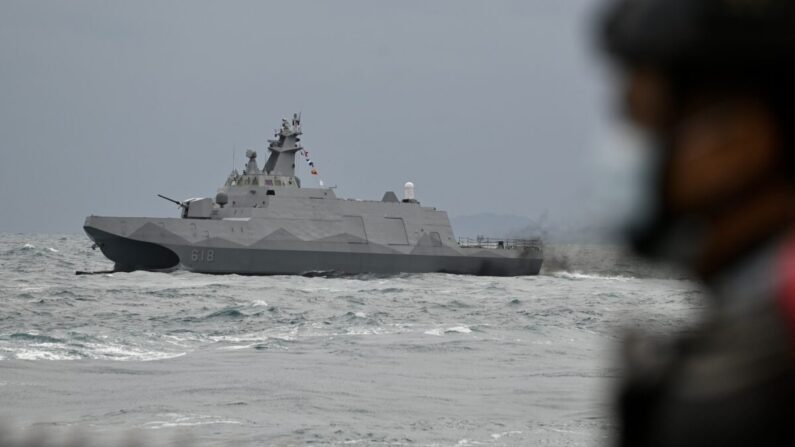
x: 484, y: 105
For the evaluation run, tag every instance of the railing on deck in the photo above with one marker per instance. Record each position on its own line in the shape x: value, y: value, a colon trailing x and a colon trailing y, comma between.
x: 500, y: 243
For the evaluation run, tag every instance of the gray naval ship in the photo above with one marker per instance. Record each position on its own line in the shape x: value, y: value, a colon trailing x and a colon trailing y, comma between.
x: 263, y: 222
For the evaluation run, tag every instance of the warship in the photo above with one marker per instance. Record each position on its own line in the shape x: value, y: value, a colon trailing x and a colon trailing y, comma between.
x: 263, y: 222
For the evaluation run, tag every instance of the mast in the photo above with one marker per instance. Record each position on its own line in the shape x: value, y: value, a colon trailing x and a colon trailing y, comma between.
x: 281, y: 161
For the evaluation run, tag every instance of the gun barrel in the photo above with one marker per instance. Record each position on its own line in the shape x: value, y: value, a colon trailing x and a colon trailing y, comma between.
x: 171, y: 200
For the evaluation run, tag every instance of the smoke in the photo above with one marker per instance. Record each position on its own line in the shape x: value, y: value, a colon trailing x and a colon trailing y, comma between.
x: 603, y: 259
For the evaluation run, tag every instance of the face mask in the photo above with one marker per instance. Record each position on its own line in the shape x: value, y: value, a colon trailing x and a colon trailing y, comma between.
x: 626, y: 165
x: 630, y: 165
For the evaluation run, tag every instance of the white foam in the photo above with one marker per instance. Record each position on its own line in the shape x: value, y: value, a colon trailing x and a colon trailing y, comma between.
x: 180, y: 420
x: 223, y: 338
x: 237, y: 347
x: 187, y: 424
x: 578, y: 275
x: 60, y: 351
x: 28, y: 246
x: 37, y: 354
x: 118, y: 352
x: 455, y: 329
x: 52, y: 249
x: 364, y: 331
x: 360, y: 314
x: 182, y: 342
x: 277, y: 333
x: 259, y: 303
x: 291, y: 335
x: 496, y: 436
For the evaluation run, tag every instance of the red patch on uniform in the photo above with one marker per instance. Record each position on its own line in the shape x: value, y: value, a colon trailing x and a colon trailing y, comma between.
x: 786, y: 284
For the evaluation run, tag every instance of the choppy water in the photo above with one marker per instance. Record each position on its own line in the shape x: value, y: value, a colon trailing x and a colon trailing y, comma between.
x: 427, y: 359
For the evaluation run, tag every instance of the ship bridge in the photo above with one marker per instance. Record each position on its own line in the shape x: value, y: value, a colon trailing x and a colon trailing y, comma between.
x: 279, y: 169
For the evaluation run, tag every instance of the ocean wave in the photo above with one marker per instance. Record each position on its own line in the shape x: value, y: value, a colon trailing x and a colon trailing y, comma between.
x: 30, y: 249
x: 127, y: 353
x: 43, y: 353
x: 365, y: 331
x: 450, y: 330
x: 355, y: 318
x: 67, y: 352
x: 77, y: 346
x: 237, y: 347
x: 279, y: 334
x: 454, y: 305
x: 33, y: 337
x: 580, y: 275
x: 171, y: 420
x: 231, y: 312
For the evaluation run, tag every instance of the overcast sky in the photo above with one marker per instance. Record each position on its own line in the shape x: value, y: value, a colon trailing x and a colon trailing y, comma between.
x: 484, y: 105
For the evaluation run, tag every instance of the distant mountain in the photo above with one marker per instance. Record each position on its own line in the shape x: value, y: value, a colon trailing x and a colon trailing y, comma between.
x: 489, y: 224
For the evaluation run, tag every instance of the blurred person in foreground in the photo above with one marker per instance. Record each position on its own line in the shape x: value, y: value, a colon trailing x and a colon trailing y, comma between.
x: 711, y: 83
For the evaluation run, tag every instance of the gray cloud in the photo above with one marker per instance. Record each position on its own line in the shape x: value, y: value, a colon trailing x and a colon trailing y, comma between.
x: 486, y: 106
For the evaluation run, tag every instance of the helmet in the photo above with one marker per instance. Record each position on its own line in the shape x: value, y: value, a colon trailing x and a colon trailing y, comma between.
x: 743, y: 40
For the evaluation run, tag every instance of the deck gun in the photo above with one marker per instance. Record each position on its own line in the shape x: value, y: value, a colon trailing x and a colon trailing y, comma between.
x: 193, y: 208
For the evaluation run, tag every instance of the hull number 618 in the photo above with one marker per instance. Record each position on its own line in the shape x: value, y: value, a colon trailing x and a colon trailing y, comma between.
x: 202, y: 255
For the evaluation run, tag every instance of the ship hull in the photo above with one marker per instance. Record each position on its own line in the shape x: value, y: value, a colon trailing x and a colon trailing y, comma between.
x: 154, y: 250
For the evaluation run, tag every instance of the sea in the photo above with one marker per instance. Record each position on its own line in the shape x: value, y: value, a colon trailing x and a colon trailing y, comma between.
x: 406, y: 360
